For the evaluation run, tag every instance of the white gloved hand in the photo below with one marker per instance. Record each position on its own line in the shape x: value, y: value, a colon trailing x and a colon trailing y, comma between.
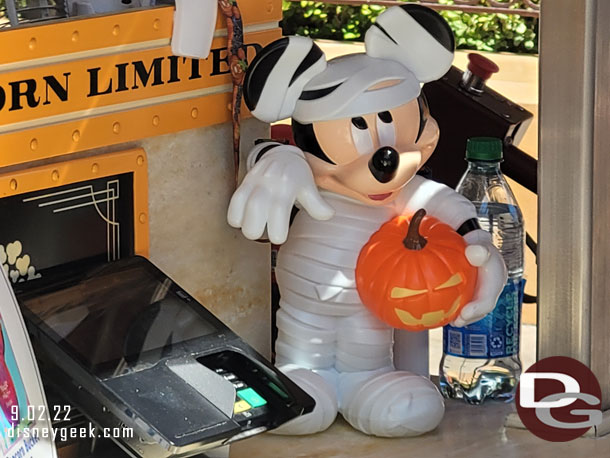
x: 491, y: 277
x: 281, y: 178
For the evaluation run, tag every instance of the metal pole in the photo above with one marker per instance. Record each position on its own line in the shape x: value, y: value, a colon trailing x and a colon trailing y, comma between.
x: 574, y: 242
x: 600, y: 240
x: 11, y: 12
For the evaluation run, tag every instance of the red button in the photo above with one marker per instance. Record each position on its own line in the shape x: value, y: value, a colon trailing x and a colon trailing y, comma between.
x: 482, y: 66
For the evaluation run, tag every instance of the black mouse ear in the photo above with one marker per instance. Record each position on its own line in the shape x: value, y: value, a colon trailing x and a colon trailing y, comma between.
x: 276, y: 77
x: 416, y: 36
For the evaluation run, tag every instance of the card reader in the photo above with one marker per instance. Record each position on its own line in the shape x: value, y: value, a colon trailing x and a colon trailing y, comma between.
x: 130, y: 348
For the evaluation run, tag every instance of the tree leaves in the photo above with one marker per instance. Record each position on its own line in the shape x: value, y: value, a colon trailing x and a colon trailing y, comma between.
x: 483, y: 32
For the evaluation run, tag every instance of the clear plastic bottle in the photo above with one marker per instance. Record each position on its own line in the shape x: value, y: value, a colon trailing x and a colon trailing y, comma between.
x: 481, y: 361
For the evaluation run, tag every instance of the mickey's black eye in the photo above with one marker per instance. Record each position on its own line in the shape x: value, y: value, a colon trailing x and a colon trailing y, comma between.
x: 385, y: 116
x: 360, y: 123
x: 424, y: 114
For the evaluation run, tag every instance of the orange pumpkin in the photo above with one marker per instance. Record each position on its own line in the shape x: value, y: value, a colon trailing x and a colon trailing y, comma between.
x: 413, y: 273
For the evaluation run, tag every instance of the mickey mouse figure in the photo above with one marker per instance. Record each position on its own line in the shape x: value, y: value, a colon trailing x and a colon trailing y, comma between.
x: 362, y: 130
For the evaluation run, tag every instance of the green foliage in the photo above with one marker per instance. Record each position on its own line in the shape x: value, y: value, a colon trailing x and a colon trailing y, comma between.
x: 482, y: 32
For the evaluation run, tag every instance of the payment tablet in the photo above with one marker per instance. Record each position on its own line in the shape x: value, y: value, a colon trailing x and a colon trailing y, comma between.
x: 129, y: 347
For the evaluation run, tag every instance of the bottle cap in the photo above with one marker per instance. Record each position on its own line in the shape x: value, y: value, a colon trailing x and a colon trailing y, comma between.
x: 484, y: 149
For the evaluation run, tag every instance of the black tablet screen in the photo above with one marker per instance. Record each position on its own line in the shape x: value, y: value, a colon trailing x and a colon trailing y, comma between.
x: 113, y: 314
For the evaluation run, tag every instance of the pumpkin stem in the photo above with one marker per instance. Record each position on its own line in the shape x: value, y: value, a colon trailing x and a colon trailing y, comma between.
x: 414, y: 240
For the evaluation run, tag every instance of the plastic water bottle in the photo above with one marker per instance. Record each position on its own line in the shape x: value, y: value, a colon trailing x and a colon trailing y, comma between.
x: 481, y: 360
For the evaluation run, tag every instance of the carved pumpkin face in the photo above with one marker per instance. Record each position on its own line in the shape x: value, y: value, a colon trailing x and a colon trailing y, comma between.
x: 413, y: 273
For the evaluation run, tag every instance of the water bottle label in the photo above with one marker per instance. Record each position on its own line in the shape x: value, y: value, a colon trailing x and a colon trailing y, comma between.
x: 496, y: 335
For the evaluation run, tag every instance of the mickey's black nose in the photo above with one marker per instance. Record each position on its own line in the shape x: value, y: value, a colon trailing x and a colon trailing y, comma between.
x: 384, y: 163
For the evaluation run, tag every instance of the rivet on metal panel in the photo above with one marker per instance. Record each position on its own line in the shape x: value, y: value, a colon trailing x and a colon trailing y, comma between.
x: 55, y: 175
x: 76, y: 135
x: 157, y: 24
x: 116, y: 127
x: 194, y: 113
x: 14, y: 185
x: 75, y: 36
x: 34, y: 144
x: 95, y: 168
x: 140, y: 160
x: 32, y: 44
x: 116, y: 30
x: 155, y: 120
x: 142, y: 218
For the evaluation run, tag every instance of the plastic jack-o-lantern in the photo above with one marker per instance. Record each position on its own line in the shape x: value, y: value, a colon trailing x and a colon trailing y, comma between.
x: 413, y: 273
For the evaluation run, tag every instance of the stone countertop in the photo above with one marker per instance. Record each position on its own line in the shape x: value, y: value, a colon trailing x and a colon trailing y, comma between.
x: 466, y: 431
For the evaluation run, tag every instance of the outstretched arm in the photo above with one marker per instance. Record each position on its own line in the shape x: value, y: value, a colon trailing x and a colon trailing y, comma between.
x: 278, y: 177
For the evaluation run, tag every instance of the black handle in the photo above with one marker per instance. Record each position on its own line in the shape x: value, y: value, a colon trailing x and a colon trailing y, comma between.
x: 521, y: 167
